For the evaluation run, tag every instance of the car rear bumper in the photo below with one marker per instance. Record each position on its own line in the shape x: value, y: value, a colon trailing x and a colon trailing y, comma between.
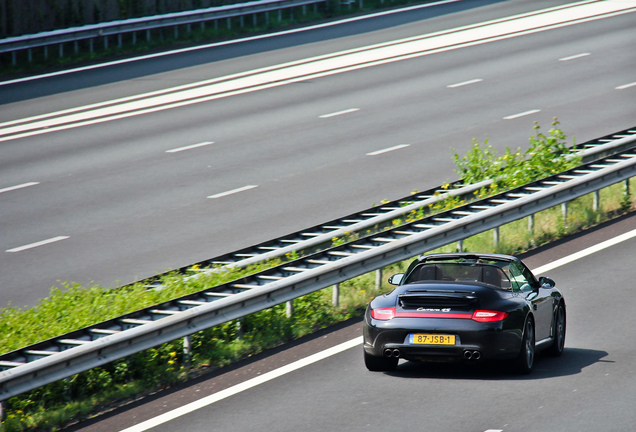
x: 473, y: 341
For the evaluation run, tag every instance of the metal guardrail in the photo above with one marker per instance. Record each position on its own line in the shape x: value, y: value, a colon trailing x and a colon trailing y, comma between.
x: 37, y: 365
x: 113, y: 28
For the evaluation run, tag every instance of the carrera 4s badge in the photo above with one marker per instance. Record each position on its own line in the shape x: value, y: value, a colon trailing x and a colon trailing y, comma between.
x: 422, y: 309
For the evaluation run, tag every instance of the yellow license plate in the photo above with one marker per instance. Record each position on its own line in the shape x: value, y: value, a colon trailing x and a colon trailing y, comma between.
x: 432, y: 339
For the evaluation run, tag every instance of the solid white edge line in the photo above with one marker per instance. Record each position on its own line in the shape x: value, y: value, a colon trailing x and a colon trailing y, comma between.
x: 347, y: 111
x: 585, y: 252
x: 233, y: 191
x: 464, y: 83
x: 36, y: 244
x: 386, y: 150
x: 624, y: 86
x: 190, y: 147
x: 208, y: 400
x: 231, y: 42
x: 20, y: 186
x: 525, y: 113
x: 574, y: 57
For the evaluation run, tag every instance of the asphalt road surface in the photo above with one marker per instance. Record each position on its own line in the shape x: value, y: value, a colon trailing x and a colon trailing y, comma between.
x: 86, y: 197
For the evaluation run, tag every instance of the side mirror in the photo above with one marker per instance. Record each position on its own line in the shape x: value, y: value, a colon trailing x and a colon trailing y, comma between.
x: 396, y: 278
x: 547, y: 282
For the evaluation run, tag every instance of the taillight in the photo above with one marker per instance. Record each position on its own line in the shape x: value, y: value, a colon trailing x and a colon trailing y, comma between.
x: 489, y: 316
x: 383, y: 314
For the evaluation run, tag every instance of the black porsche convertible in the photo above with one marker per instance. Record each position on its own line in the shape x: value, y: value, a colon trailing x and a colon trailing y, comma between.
x: 464, y: 307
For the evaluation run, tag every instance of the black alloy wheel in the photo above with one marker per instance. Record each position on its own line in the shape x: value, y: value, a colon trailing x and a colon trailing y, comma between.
x: 557, y: 347
x: 525, y: 361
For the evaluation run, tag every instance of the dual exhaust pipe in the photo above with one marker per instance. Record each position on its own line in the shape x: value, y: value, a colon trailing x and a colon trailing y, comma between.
x: 472, y: 355
x: 391, y: 352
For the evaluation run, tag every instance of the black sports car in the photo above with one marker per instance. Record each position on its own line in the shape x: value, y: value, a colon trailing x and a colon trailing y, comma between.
x: 464, y: 307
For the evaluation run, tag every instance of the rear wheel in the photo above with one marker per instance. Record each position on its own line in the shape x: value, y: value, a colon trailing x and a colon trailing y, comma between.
x: 380, y: 364
x: 525, y: 361
x: 559, y: 332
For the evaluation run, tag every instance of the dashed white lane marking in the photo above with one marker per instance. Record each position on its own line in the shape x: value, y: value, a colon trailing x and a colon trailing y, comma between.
x: 347, y: 111
x: 20, y: 186
x: 624, y: 86
x: 186, y: 409
x: 577, y: 56
x: 465, y: 83
x: 525, y: 113
x: 36, y: 244
x: 386, y: 150
x: 233, y: 191
x: 190, y: 147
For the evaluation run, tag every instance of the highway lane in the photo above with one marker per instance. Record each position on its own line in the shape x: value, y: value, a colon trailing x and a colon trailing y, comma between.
x: 591, y: 387
x: 130, y: 209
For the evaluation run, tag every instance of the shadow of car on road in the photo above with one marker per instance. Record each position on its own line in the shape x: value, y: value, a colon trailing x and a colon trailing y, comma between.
x: 572, y: 362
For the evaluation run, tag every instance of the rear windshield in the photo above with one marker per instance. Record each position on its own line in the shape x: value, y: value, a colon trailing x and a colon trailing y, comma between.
x: 491, y: 273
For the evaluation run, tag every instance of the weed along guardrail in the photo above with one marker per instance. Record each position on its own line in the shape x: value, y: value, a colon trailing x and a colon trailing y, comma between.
x: 65, y: 355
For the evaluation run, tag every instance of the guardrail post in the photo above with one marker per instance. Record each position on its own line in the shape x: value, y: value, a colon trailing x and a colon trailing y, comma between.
x: 61, y: 50
x: 229, y: 24
x: 90, y: 46
x: 289, y: 309
x: 564, y: 212
x: 187, y: 351
x: 460, y: 245
x: 335, y: 297
x: 2, y: 410
x: 495, y: 238
x: 76, y: 47
x: 46, y: 53
x: 531, y: 224
x: 106, y: 43
x: 119, y: 41
x: 30, y: 55
x: 378, y: 279
x: 596, y: 200
x: 239, y: 328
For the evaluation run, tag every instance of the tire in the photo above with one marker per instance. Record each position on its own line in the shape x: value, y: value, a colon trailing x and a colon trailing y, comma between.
x: 525, y: 360
x: 557, y: 347
x: 380, y: 364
